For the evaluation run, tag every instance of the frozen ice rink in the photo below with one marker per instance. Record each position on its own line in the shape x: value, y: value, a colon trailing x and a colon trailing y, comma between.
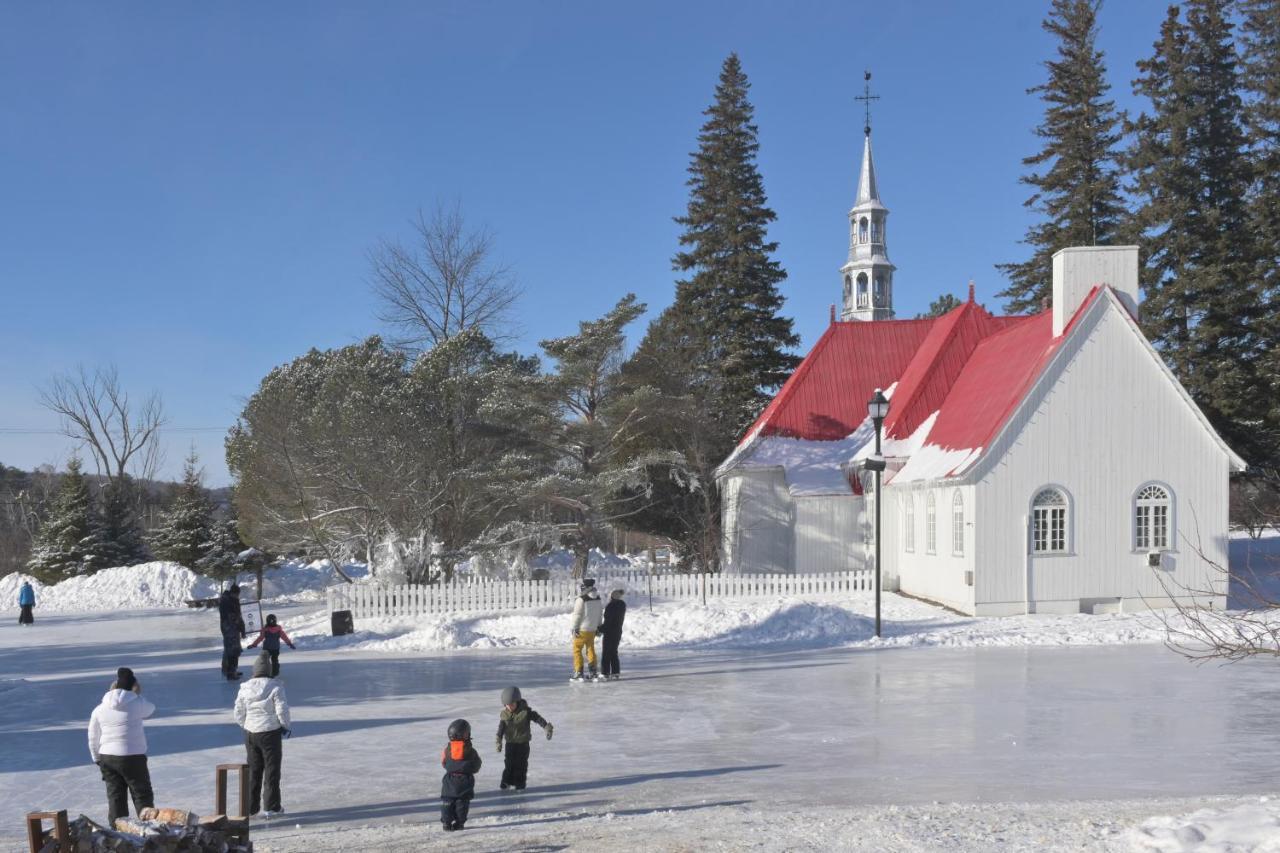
x: 782, y: 749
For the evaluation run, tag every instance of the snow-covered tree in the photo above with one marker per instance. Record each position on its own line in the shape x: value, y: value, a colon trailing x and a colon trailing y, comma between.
x: 218, y: 553
x: 186, y: 528
x: 69, y: 542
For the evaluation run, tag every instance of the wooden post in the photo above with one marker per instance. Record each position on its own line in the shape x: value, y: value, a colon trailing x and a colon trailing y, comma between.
x: 220, y: 789
x: 61, y: 831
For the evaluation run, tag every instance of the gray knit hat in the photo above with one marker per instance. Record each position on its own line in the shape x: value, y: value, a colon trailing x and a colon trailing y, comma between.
x: 510, y: 695
x: 617, y: 593
x: 262, y: 666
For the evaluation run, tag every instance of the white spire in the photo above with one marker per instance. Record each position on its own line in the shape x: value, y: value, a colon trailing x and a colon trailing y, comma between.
x: 867, y: 181
x: 868, y: 275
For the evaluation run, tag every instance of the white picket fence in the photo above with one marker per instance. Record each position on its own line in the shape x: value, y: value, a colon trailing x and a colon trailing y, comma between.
x: 369, y: 600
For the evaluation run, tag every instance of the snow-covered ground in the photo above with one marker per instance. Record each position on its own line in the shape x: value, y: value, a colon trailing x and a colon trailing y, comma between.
x: 715, y: 746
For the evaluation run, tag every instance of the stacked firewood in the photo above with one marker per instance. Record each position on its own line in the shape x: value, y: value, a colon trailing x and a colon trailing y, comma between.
x: 155, y: 831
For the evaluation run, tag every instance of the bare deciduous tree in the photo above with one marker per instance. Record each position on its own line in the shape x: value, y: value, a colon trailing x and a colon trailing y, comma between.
x: 446, y: 282
x: 122, y: 435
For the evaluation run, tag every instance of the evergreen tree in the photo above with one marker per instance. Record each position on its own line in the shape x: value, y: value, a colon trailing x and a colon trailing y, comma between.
x: 69, y: 542
x: 943, y: 304
x: 122, y: 543
x: 186, y: 529
x: 1190, y: 176
x: 1076, y: 185
x: 1260, y: 76
x: 731, y: 294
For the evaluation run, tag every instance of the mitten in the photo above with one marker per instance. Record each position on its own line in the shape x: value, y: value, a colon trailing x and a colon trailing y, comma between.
x: 550, y: 729
x: 292, y: 646
x: 288, y: 733
x: 576, y: 632
x: 499, y: 742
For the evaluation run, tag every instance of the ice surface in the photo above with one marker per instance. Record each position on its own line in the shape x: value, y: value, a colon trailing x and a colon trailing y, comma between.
x: 779, y: 748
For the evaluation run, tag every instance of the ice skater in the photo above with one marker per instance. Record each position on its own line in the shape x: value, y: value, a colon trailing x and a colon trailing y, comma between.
x: 26, y: 603
x: 461, y: 763
x: 271, y: 636
x: 263, y: 712
x: 513, y: 726
x: 588, y: 610
x: 611, y: 635
x: 232, y: 625
x: 118, y: 745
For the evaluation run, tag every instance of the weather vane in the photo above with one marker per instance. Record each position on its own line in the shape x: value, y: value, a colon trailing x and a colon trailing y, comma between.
x: 866, y: 97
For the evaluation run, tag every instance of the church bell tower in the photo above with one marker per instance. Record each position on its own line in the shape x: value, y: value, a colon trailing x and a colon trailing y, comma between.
x: 867, y: 275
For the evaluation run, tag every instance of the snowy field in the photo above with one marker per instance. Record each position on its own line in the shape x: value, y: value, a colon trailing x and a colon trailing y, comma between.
x: 719, y: 744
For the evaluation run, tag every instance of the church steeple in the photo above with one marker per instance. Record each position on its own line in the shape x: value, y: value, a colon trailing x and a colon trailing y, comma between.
x: 868, y: 275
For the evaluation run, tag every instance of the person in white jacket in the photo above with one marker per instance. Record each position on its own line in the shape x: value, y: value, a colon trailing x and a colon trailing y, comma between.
x: 263, y: 712
x: 118, y: 745
x: 588, y: 613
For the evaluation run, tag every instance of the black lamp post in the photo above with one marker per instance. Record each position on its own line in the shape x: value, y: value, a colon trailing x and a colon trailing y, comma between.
x: 877, y: 409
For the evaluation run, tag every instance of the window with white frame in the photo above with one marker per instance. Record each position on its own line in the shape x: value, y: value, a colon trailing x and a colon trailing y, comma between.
x: 1049, y: 522
x: 957, y: 524
x: 1151, y: 509
x: 909, y: 523
x: 930, y: 524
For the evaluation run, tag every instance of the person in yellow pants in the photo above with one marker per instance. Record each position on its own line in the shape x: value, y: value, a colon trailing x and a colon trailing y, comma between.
x: 588, y: 613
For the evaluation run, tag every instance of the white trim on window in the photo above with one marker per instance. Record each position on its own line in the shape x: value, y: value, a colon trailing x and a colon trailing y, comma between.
x: 957, y: 524
x: 930, y: 524
x: 1051, y: 521
x: 1152, y: 517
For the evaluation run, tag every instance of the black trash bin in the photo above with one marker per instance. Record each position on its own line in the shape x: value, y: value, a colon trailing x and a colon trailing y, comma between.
x: 342, y: 623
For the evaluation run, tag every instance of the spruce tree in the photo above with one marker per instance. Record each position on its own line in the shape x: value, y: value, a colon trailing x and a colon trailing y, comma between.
x: 731, y: 293
x: 1076, y: 183
x: 219, y: 553
x: 1190, y: 176
x: 69, y: 542
x: 942, y: 305
x: 122, y: 543
x: 186, y: 528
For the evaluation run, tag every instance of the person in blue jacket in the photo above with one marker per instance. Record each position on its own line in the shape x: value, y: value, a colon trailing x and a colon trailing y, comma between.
x: 26, y: 603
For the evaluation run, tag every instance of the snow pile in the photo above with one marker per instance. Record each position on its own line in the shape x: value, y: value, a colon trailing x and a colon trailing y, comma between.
x: 298, y: 580
x: 1250, y: 826
x: 141, y: 587
x: 845, y: 621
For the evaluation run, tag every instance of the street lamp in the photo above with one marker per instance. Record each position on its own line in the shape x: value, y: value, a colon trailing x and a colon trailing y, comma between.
x: 877, y: 409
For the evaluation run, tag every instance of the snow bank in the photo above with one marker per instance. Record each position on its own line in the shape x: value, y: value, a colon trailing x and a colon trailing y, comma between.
x: 1249, y: 826
x: 298, y: 581
x: 846, y: 621
x: 141, y: 587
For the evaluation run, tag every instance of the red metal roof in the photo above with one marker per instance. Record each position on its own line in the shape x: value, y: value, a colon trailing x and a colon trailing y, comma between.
x: 826, y: 398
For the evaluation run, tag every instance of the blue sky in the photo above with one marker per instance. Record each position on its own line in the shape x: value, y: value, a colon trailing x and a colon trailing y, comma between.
x: 189, y: 191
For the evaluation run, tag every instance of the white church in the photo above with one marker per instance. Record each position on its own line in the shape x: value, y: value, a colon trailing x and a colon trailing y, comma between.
x: 1048, y: 463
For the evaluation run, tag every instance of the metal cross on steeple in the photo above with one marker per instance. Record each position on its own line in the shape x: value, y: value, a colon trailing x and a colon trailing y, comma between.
x: 866, y: 97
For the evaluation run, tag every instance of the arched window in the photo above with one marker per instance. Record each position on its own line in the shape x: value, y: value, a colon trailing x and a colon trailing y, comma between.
x: 862, y: 230
x: 1152, y: 508
x: 909, y: 523
x: 1049, y: 522
x: 848, y: 288
x: 930, y: 524
x: 862, y: 290
x: 878, y: 292
x: 957, y: 524
x: 875, y: 229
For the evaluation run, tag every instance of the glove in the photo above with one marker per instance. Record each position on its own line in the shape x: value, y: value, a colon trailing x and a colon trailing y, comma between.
x: 550, y: 729
x: 287, y: 733
x: 577, y: 633
x: 292, y: 646
x: 499, y: 742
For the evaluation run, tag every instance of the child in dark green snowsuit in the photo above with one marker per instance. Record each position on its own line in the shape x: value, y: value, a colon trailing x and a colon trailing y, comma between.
x: 513, y: 725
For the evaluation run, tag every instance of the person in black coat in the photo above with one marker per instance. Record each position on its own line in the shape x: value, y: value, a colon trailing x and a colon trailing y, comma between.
x: 611, y: 632
x: 461, y: 763
x: 232, y: 625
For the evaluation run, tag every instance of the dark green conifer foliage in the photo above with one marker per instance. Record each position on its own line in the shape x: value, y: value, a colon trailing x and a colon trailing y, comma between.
x: 70, y: 541
x: 731, y: 293
x: 940, y: 306
x: 186, y: 529
x: 1190, y: 175
x: 122, y: 543
x: 1076, y: 182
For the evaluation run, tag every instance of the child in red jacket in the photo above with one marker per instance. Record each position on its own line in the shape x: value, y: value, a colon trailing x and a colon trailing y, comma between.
x: 270, y: 637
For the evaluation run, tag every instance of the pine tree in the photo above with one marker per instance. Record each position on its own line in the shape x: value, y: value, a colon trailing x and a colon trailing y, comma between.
x: 1191, y: 175
x: 944, y: 303
x: 1260, y: 76
x: 122, y: 543
x: 69, y: 542
x: 731, y: 294
x: 1077, y: 185
x: 186, y: 528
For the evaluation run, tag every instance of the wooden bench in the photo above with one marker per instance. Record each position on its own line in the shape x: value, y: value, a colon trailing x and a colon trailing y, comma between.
x: 61, y: 831
x: 237, y: 825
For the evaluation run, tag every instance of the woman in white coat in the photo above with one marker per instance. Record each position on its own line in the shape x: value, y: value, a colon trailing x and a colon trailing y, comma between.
x: 263, y: 712
x: 118, y: 745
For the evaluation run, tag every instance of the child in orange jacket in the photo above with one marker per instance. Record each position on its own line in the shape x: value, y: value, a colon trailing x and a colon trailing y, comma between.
x: 270, y: 637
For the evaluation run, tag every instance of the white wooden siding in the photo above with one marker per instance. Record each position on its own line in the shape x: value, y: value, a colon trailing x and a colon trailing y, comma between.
x: 939, y: 577
x: 758, y: 522
x: 830, y: 533
x: 1107, y: 422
